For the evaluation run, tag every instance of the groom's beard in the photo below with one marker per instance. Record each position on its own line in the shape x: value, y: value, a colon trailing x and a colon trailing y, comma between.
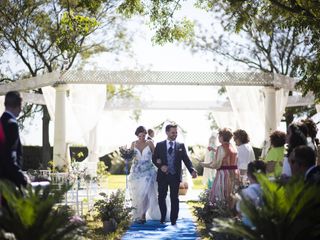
x: 171, y: 138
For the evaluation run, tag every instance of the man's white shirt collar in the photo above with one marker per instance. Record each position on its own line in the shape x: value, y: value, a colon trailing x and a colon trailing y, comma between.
x: 309, y: 170
x: 11, y: 114
x: 168, y: 145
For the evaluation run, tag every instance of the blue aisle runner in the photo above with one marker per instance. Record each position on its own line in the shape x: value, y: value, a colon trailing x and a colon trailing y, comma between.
x: 185, y: 228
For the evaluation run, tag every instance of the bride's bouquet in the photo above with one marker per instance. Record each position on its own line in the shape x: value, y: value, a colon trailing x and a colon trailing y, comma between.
x: 126, y: 153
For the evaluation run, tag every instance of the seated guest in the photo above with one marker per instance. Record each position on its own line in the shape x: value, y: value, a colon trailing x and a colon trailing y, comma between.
x: 253, y: 191
x: 302, y: 161
x: 275, y: 154
x: 296, y: 136
x: 312, y: 140
x: 312, y: 131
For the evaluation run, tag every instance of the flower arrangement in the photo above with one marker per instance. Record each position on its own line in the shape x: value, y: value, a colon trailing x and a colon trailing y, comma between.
x: 126, y: 153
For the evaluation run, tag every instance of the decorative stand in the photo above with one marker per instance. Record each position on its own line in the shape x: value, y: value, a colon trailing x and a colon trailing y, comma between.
x: 127, y: 194
x: 127, y: 154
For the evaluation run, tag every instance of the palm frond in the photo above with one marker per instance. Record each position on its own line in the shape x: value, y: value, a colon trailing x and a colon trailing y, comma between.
x: 33, y: 213
x: 290, y: 211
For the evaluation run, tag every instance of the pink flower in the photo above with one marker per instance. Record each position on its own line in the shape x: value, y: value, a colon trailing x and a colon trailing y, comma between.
x: 76, y: 220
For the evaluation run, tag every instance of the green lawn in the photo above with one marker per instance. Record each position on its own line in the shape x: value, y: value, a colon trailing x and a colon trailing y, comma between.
x: 116, y: 182
x: 197, y: 183
x: 119, y: 182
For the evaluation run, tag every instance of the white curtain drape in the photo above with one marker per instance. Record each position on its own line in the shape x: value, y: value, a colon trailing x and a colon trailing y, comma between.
x: 282, y: 96
x: 73, y: 135
x: 248, y: 106
x: 226, y: 119
x: 1, y: 104
x: 85, y: 104
x: 249, y: 111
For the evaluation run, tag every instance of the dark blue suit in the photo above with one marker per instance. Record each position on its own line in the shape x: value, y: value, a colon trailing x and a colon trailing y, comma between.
x: 173, y: 181
x: 11, y: 157
x: 313, y: 177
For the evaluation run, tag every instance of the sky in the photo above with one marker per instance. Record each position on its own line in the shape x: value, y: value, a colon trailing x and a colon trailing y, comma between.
x: 117, y: 128
x: 168, y: 57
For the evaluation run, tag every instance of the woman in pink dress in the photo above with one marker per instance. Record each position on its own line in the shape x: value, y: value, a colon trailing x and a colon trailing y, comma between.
x: 227, y: 175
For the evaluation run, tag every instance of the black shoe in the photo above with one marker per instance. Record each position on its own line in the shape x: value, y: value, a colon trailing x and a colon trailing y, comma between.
x: 141, y: 221
x: 173, y: 223
x: 162, y: 222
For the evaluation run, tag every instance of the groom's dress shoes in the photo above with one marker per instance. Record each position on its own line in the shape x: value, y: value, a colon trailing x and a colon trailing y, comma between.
x: 173, y: 223
x: 141, y: 221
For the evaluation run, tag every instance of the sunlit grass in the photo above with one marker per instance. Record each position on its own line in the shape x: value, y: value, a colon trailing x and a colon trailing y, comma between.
x: 197, y: 183
x: 95, y: 231
x: 119, y: 182
x: 116, y: 182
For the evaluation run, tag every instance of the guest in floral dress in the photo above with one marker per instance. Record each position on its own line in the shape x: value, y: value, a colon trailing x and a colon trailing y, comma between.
x: 227, y: 174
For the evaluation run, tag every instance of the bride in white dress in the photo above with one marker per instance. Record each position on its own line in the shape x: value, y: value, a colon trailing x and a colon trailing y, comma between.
x: 142, y: 179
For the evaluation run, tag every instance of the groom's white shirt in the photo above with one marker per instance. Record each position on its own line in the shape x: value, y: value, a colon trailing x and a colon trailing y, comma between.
x: 173, y: 145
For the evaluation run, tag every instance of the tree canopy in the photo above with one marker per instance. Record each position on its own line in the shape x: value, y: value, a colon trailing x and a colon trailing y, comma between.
x: 264, y: 17
x: 303, y: 16
x: 47, y: 35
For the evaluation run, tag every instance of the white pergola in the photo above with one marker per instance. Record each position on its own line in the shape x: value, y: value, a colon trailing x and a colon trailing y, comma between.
x: 61, y: 80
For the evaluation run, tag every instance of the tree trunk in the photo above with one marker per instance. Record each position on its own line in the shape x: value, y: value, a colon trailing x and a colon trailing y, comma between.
x: 46, y: 149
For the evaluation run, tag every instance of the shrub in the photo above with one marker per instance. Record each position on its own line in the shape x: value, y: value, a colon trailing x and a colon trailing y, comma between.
x: 115, y: 163
x: 102, y: 170
x: 206, y: 212
x: 197, y: 154
x: 31, y: 213
x: 112, y: 207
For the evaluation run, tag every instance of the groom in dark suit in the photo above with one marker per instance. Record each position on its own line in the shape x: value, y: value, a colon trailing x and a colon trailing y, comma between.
x: 167, y: 156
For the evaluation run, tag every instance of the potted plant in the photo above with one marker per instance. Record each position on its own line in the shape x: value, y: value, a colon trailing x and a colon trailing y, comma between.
x: 111, y: 210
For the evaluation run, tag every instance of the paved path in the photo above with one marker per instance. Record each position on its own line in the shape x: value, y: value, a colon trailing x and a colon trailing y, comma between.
x: 185, y: 229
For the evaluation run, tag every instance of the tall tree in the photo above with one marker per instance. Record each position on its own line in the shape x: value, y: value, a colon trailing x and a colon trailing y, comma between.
x: 271, y: 50
x: 303, y: 16
x: 46, y: 35
x: 162, y: 18
x: 258, y: 46
x: 269, y: 16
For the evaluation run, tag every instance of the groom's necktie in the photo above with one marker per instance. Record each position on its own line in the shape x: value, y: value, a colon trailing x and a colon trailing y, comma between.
x: 171, y: 159
x: 170, y: 148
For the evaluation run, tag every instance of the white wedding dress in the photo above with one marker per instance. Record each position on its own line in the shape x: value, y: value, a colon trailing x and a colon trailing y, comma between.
x: 143, y: 186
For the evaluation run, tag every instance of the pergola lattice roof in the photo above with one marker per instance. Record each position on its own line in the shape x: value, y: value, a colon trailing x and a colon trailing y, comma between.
x: 150, y: 78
